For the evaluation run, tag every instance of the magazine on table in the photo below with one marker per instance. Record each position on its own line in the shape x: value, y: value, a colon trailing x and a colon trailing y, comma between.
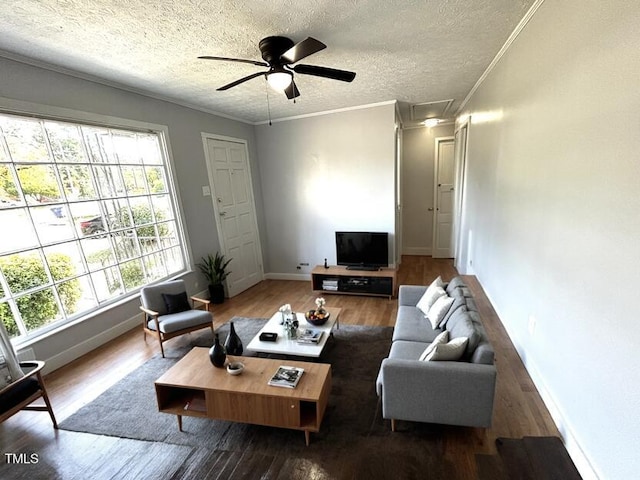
x: 286, y: 376
x: 309, y: 335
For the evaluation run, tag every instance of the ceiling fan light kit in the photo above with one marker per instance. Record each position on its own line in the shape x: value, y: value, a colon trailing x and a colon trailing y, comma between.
x: 279, y: 54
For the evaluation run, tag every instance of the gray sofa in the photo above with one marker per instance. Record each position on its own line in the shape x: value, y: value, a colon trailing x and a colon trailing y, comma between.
x: 445, y: 392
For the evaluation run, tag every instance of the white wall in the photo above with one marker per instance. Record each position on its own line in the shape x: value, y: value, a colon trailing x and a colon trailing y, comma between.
x: 49, y: 90
x: 418, y: 163
x: 553, y: 200
x: 321, y: 174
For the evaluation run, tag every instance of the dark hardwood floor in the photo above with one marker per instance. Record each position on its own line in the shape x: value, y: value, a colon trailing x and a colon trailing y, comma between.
x: 518, y: 412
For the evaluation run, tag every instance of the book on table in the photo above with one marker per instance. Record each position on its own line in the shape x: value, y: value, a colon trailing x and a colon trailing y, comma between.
x: 286, y: 376
x: 309, y: 335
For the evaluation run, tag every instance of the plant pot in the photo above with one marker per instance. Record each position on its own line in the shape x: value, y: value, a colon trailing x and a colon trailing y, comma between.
x: 216, y: 293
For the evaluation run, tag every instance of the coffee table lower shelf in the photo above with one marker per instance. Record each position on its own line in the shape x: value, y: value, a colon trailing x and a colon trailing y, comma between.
x: 193, y: 387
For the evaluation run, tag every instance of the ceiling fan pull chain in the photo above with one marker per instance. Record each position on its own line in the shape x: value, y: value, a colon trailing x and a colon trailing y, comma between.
x: 266, y: 88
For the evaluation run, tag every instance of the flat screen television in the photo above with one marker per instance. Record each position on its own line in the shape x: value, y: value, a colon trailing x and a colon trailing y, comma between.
x: 362, y: 250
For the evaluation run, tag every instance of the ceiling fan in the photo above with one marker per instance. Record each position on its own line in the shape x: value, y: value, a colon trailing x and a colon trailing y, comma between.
x: 279, y: 54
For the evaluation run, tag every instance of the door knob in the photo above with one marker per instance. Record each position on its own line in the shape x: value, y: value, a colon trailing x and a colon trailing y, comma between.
x: 222, y: 214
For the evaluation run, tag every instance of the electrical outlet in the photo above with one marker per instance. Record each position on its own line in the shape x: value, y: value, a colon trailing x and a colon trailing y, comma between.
x: 532, y: 324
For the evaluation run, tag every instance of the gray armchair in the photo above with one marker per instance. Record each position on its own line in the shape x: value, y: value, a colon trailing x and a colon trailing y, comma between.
x: 168, y: 313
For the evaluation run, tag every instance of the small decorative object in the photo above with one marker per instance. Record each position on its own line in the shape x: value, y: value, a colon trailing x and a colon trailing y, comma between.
x: 235, y: 368
x: 233, y: 344
x: 325, y: 263
x: 318, y: 316
x: 217, y: 354
x: 289, y: 322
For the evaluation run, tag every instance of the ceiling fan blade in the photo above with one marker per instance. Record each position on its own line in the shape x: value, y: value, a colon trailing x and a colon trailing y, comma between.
x: 333, y: 73
x: 238, y: 82
x: 302, y: 49
x: 292, y: 91
x: 241, y: 60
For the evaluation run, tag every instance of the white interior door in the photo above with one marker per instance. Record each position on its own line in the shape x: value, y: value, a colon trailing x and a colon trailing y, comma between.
x: 444, y: 198
x: 460, y: 155
x: 230, y: 181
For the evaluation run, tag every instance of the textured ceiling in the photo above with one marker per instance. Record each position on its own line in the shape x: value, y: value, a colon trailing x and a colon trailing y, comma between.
x: 413, y: 51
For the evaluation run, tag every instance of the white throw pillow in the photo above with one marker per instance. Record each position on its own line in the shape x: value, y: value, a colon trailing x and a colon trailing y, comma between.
x: 448, y: 351
x: 429, y: 298
x: 439, y: 309
x: 440, y: 339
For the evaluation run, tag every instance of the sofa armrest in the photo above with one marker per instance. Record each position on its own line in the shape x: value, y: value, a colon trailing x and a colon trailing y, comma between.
x: 452, y: 393
x: 410, y: 295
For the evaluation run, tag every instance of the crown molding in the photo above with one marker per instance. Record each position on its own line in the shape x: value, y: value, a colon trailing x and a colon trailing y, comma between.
x: 327, y: 112
x: 523, y: 23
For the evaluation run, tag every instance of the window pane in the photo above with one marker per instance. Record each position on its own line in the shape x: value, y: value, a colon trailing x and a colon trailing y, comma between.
x: 109, y: 181
x: 24, y: 139
x: 9, y: 196
x: 132, y: 274
x: 162, y: 207
x: 98, y: 141
x: 125, y: 245
x: 148, y: 145
x: 154, y: 265
x: 107, y: 284
x: 86, y: 300
x: 65, y: 260
x: 174, y: 260
x: 156, y: 180
x: 126, y: 147
x: 66, y: 142
x: 87, y: 218
x: 134, y: 180
x: 98, y: 253
x: 23, y: 271
x: 147, y: 239
x: 39, y: 184
x: 38, y: 309
x: 77, y: 182
x: 22, y: 235
x: 76, y: 296
x: 118, y: 214
x: 168, y: 234
x: 141, y: 211
x: 52, y: 224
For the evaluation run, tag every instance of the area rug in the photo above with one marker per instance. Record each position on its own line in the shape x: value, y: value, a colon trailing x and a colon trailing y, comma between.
x: 129, y: 408
x: 352, y: 428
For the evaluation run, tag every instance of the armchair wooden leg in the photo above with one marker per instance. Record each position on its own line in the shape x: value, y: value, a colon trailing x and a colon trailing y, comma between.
x: 45, y: 397
x: 161, y: 347
x: 393, y: 424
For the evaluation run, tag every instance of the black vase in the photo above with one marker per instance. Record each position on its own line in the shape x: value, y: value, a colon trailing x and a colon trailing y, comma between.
x: 233, y: 344
x: 217, y: 354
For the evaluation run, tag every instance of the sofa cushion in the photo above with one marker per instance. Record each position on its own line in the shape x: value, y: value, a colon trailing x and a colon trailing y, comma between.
x: 441, y: 338
x: 178, y: 321
x: 412, y: 326
x: 455, y: 283
x: 451, y: 351
x: 432, y: 294
x: 471, y: 304
x: 439, y: 310
x: 458, y: 303
x: 463, y: 327
x: 404, y: 350
x: 483, y: 353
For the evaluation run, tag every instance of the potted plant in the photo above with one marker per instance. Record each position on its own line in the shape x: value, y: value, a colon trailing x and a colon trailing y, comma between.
x: 214, y: 269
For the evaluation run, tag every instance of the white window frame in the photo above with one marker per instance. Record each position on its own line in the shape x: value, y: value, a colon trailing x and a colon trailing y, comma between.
x: 42, y: 112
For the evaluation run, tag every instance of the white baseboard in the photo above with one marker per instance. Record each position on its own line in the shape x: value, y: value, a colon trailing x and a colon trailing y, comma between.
x: 574, y: 450
x: 305, y: 277
x: 420, y: 251
x: 71, y: 354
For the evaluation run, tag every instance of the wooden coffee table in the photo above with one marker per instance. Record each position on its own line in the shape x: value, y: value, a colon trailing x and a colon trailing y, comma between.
x: 194, y: 387
x: 286, y: 346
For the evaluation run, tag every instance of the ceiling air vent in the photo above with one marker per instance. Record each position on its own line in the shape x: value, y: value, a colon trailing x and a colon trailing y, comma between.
x: 422, y: 111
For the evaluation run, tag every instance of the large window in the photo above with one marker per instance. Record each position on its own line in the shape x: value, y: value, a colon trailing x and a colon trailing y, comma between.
x: 87, y: 217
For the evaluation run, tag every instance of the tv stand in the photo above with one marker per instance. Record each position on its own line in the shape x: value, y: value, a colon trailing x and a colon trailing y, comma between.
x: 344, y: 281
x: 363, y: 268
